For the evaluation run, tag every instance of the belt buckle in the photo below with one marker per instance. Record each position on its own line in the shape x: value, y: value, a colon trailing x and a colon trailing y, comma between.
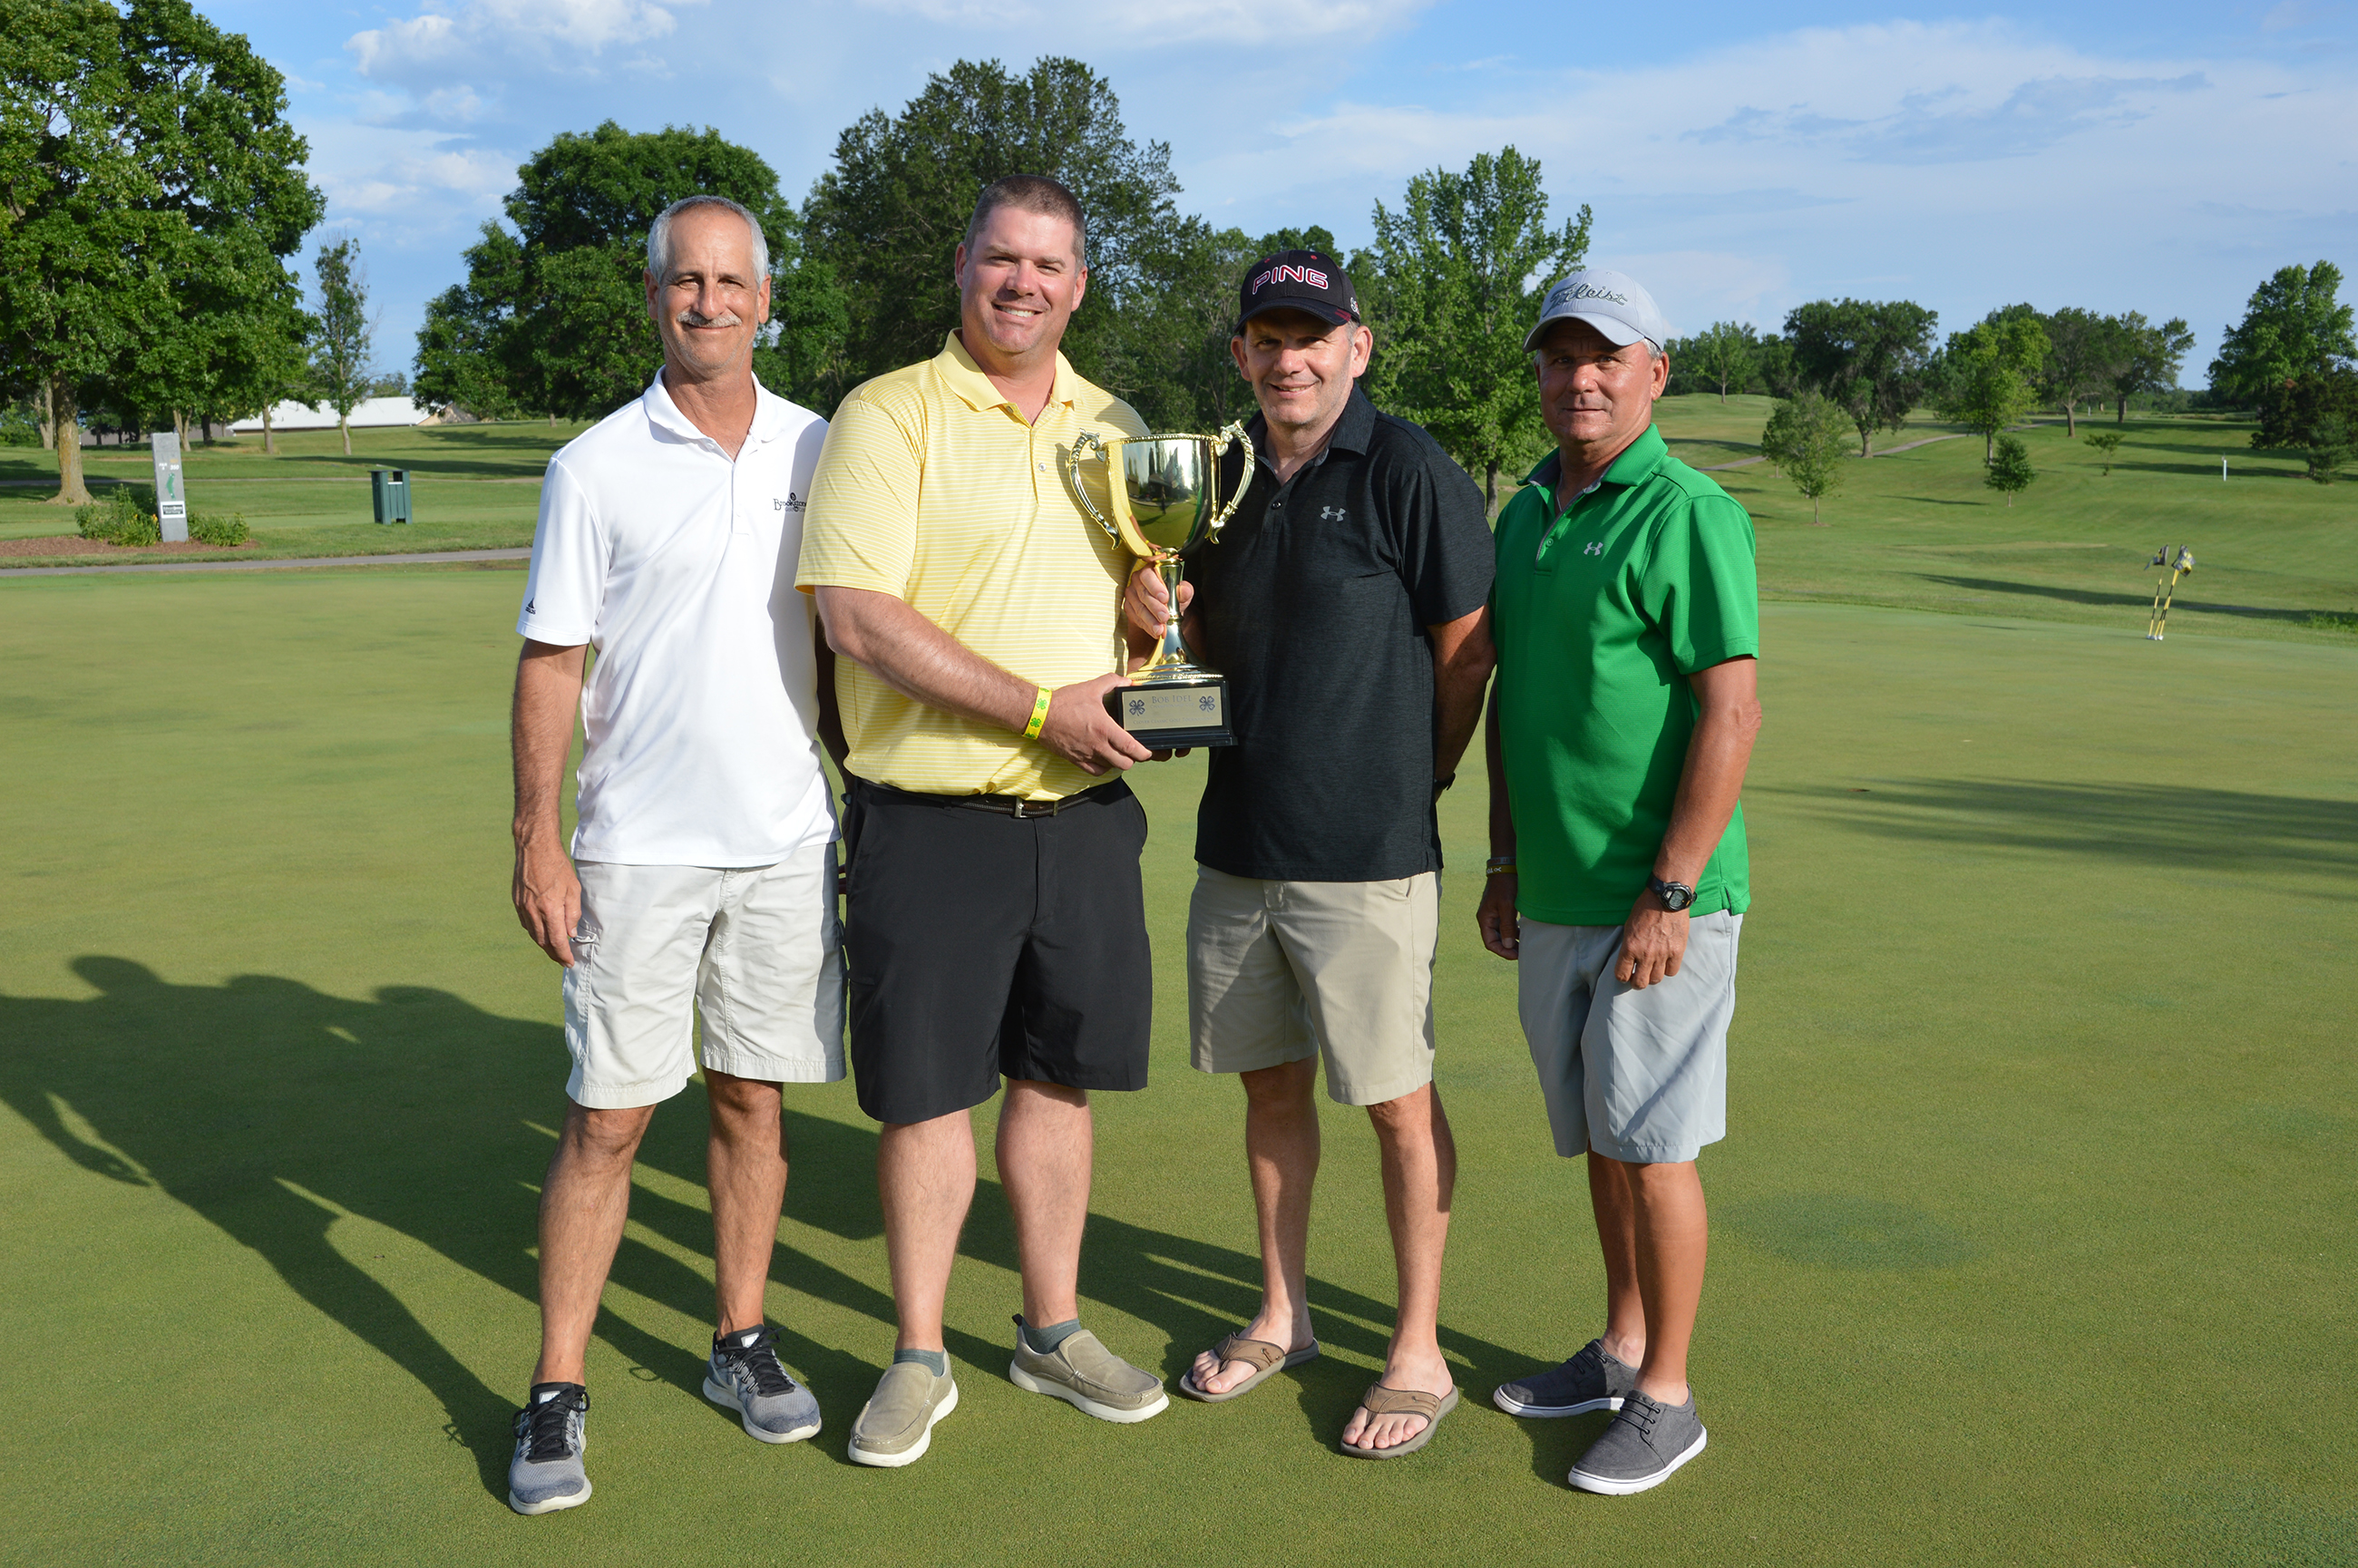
x: 1018, y: 813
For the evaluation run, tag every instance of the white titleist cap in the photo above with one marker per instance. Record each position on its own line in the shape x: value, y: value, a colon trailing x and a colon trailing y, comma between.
x: 1613, y: 302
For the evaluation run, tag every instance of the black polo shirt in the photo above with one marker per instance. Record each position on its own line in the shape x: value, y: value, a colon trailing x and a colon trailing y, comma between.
x: 1314, y: 602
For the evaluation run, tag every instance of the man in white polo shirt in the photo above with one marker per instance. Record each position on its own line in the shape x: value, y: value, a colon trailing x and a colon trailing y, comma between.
x: 701, y: 879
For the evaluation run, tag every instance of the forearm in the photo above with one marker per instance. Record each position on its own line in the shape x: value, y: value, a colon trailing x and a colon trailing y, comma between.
x: 918, y: 659
x: 1710, y: 783
x: 1459, y: 679
x: 547, y: 695
x: 830, y: 711
x: 1502, y: 812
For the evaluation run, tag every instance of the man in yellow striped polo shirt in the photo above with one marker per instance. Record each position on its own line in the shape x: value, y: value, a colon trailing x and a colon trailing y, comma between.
x: 996, y: 922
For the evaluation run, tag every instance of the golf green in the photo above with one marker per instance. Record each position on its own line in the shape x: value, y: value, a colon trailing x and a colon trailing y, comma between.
x: 2033, y: 1228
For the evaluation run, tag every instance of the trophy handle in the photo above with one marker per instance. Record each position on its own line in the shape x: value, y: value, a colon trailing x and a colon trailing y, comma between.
x: 1090, y: 442
x: 1233, y: 434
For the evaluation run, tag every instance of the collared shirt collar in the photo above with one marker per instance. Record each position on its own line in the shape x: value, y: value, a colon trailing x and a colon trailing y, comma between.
x: 979, y: 392
x: 1637, y: 460
x: 1354, y: 429
x: 769, y: 414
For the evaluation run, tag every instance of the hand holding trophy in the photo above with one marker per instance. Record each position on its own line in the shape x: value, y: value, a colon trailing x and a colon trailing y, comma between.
x: 1161, y: 492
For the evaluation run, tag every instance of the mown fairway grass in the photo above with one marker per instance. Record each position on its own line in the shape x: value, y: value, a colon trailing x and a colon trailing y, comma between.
x: 2033, y: 1229
x: 2278, y: 555
x: 471, y: 487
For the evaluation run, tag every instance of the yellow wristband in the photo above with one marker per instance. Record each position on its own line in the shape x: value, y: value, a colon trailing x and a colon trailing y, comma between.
x: 1039, y: 714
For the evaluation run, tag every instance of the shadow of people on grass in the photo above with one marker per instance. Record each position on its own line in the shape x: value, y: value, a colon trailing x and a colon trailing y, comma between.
x: 274, y: 1110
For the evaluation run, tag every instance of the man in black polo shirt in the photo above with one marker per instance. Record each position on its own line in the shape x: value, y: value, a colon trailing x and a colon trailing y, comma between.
x: 1346, y: 604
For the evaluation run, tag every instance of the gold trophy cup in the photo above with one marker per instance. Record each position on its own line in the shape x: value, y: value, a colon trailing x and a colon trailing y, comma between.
x: 1161, y: 490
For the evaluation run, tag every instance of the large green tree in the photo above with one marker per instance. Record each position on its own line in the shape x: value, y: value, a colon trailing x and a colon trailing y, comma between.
x: 1454, y: 280
x: 2149, y: 358
x: 2292, y: 326
x: 2084, y: 354
x: 887, y: 219
x: 1987, y: 377
x: 1867, y: 356
x: 1722, y: 356
x: 552, y: 318
x: 149, y: 185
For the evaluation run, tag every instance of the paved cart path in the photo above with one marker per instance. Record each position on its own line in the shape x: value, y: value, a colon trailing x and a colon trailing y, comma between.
x: 427, y: 557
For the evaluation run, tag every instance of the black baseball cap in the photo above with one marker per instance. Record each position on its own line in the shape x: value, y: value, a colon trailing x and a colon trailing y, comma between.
x: 1298, y: 280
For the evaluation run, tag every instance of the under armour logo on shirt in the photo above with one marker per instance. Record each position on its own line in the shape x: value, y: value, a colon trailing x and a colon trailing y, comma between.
x: 1595, y: 548
x: 1332, y: 514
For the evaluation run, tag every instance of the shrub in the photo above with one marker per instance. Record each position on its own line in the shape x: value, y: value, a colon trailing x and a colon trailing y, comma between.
x: 125, y: 515
x: 2331, y: 443
x: 205, y: 528
x: 2009, y: 468
x: 2107, y: 443
x: 1807, y: 438
x: 18, y: 428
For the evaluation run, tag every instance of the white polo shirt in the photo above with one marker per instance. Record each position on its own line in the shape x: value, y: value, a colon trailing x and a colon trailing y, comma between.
x: 678, y: 566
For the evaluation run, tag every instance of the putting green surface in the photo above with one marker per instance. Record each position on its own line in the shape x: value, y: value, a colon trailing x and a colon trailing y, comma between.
x: 2033, y: 1232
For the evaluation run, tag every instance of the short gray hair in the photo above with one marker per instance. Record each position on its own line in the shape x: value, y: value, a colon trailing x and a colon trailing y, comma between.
x: 659, y: 237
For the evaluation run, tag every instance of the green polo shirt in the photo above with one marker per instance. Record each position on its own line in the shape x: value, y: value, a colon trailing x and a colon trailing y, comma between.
x: 1602, y: 612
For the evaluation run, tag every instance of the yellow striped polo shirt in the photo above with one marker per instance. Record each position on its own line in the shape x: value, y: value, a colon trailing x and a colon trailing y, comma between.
x: 931, y: 488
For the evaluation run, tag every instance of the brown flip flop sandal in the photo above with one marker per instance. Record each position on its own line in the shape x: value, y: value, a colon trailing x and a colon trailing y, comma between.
x: 1263, y: 1357
x: 1381, y: 1400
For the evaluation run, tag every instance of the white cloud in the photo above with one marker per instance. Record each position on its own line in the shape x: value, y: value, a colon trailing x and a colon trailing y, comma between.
x: 426, y: 47
x: 1169, y: 21
x: 370, y: 171
x: 1942, y: 160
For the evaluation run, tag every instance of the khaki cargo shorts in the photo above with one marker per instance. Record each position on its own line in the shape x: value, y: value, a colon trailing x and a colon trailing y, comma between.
x: 757, y: 951
x: 1280, y: 971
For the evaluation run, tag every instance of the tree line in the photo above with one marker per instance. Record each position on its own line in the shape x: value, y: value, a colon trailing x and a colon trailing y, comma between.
x: 151, y: 191
x: 156, y: 193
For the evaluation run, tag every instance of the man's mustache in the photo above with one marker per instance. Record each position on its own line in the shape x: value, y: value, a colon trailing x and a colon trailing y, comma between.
x: 691, y: 317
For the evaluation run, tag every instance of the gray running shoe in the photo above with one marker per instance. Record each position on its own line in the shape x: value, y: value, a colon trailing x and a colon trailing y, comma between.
x: 748, y: 1378
x: 1594, y: 1379
x: 1084, y: 1373
x: 546, y: 1473
x: 1646, y: 1442
x: 896, y: 1426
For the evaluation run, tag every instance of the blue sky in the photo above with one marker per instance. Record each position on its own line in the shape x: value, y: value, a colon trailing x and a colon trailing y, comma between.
x: 1740, y: 159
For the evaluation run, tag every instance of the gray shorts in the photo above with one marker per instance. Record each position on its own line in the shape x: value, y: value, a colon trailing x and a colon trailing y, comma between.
x: 1638, y: 1076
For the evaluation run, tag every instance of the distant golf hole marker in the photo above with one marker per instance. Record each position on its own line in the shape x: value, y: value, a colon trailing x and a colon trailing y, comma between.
x: 171, y: 491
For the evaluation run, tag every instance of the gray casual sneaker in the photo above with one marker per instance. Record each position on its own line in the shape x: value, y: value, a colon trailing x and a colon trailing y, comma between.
x: 1646, y: 1442
x: 1084, y: 1373
x: 1594, y: 1379
x: 546, y: 1473
x: 896, y: 1426
x: 748, y: 1378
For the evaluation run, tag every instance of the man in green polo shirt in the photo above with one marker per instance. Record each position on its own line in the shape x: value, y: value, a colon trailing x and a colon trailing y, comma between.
x: 1628, y: 627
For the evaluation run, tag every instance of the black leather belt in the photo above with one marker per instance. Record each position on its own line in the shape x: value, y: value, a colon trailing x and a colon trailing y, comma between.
x: 1005, y: 805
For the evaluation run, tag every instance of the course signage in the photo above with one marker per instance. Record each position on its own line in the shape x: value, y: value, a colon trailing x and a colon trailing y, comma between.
x: 171, y: 494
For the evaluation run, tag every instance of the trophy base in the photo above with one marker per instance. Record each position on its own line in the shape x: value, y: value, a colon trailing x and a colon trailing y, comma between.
x: 1188, y: 709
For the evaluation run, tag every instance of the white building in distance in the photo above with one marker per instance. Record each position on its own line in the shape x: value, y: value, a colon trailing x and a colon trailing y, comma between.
x: 369, y: 412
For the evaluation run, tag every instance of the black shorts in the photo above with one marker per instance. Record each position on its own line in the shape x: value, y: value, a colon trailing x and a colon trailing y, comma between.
x: 983, y: 945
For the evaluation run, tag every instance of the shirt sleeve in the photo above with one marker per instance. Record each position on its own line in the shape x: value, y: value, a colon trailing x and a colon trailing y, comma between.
x: 1449, y: 557
x: 566, y: 585
x: 860, y: 530
x: 1700, y: 586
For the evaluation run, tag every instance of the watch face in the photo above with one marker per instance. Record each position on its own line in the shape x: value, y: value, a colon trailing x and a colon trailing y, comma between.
x: 1675, y: 896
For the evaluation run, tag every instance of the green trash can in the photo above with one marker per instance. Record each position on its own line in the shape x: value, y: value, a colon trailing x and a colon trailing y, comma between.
x: 389, y: 493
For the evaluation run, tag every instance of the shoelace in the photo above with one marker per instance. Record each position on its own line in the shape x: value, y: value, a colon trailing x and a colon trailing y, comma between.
x: 761, y: 1358
x: 547, y: 1428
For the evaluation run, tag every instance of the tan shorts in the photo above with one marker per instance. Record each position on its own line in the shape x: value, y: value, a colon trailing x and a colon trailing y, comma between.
x: 757, y: 951
x: 1277, y: 971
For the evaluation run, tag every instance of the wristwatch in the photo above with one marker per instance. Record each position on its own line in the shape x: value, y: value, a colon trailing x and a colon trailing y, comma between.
x: 1675, y: 896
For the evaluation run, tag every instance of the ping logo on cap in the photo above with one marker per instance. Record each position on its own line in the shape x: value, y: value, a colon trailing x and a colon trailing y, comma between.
x: 1309, y: 274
